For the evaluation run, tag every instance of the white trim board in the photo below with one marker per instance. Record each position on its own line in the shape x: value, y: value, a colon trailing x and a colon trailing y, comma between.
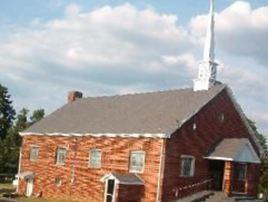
x: 123, y: 135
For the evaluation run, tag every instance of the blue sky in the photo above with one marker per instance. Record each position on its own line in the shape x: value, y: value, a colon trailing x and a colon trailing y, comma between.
x: 114, y: 47
x: 18, y: 11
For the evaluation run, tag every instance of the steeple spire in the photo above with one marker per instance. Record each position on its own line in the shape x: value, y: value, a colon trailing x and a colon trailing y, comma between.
x: 208, y: 67
x: 209, y: 44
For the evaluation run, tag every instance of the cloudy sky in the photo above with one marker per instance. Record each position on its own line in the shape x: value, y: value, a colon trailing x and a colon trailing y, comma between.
x: 105, y: 47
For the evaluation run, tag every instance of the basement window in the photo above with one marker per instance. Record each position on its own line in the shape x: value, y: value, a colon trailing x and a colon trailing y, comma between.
x: 187, y: 166
x: 58, y: 182
x: 34, y: 151
x: 61, y: 156
x: 95, y: 158
x: 137, y: 162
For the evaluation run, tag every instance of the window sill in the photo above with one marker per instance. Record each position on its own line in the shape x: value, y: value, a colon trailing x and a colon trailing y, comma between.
x: 33, y: 160
x: 136, y: 172
x: 95, y: 168
x: 60, y: 164
x: 184, y: 176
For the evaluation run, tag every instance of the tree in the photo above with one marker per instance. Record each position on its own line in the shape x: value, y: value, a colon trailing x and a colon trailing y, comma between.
x: 10, y: 146
x: 264, y: 176
x: 261, y: 138
x: 7, y: 112
x: 9, y: 151
x: 263, y: 186
x: 37, y: 115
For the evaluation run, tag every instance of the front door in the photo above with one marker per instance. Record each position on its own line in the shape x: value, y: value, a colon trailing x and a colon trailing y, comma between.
x: 110, y: 191
x: 29, y: 187
x: 217, y: 170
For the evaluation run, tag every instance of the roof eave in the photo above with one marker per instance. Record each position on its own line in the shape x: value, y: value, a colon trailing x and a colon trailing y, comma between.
x: 122, y: 135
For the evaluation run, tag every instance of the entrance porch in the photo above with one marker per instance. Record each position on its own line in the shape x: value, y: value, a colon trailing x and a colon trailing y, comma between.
x: 234, y: 166
x: 122, y: 187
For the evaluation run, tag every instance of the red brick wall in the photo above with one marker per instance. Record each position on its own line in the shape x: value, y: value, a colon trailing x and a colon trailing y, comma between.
x: 228, y: 177
x: 87, y: 185
x: 196, y: 143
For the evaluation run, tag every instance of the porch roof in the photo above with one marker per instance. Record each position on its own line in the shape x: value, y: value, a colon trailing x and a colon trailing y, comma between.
x: 234, y: 149
x: 127, y: 179
x: 25, y: 175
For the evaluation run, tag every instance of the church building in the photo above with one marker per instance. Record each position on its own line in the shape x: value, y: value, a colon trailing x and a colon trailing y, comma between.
x: 147, y: 147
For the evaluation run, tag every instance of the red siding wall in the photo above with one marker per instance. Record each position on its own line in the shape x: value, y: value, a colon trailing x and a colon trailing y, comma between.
x: 87, y: 185
x: 196, y: 143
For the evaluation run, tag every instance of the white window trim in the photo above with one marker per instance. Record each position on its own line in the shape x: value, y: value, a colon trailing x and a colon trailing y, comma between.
x: 89, y: 159
x: 31, y: 147
x: 143, y: 167
x: 58, y: 163
x: 192, y: 166
x: 106, y: 189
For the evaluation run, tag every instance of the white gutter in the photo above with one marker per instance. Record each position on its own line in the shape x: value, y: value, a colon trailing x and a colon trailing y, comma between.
x: 17, y: 188
x: 123, y: 135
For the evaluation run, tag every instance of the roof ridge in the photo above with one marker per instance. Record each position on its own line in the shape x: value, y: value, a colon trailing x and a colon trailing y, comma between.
x: 139, y: 93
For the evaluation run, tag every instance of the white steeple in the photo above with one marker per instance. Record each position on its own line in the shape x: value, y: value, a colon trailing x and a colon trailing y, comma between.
x: 208, y: 67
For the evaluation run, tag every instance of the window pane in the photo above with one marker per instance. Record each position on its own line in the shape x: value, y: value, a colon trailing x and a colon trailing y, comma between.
x: 241, y: 171
x: 95, y: 158
x: 137, y: 161
x: 61, y: 155
x: 34, y: 153
x: 187, y: 166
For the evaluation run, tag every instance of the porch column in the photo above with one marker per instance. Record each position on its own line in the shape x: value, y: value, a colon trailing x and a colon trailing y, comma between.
x: 228, y: 177
x: 252, y: 179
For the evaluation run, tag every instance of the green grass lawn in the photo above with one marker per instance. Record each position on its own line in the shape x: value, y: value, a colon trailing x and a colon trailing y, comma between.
x: 9, y: 188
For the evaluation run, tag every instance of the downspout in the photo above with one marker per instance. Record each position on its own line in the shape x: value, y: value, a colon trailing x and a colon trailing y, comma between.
x: 17, y: 189
x: 161, y: 170
x: 72, y: 176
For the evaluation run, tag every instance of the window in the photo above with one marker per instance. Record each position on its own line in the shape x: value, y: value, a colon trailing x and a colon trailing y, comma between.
x: 222, y: 118
x: 58, y: 182
x: 95, y: 158
x: 187, y: 166
x: 241, y: 171
x: 137, y: 161
x: 61, y: 156
x: 194, y: 126
x: 34, y: 153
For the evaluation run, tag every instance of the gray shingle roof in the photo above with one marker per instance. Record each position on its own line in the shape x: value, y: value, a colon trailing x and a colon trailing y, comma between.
x: 234, y: 149
x: 228, y: 148
x: 156, y: 112
x: 128, y: 178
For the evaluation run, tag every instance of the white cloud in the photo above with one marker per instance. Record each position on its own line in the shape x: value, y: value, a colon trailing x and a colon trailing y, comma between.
x: 102, y: 51
x: 123, y: 49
